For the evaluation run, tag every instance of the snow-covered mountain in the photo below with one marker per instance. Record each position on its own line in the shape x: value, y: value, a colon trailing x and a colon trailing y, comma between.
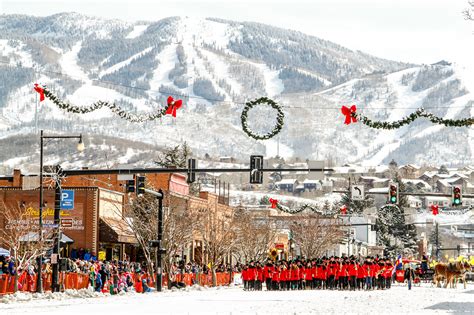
x: 215, y: 66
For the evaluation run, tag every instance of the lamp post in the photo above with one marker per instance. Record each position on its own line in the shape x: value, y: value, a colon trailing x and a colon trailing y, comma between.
x: 80, y: 147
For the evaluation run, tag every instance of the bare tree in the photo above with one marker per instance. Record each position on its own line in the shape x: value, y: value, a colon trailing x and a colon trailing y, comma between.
x: 217, y: 231
x: 315, y: 233
x: 178, y: 227
x: 21, y: 235
x: 254, y: 235
x: 469, y: 12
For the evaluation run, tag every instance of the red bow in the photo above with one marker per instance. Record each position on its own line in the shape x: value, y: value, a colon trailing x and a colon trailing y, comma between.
x: 40, y: 90
x: 343, y: 209
x: 274, y: 202
x: 173, y: 106
x: 434, y: 209
x: 349, y: 112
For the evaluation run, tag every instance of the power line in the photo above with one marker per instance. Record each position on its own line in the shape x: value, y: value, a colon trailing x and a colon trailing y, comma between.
x: 203, y: 98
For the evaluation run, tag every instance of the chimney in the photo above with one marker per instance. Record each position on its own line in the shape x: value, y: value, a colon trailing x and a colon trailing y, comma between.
x: 16, y: 178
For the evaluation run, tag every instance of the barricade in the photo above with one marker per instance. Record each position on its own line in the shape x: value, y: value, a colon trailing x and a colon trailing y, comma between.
x: 27, y: 283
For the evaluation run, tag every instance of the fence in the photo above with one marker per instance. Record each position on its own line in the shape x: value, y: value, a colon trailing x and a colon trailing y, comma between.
x: 71, y: 280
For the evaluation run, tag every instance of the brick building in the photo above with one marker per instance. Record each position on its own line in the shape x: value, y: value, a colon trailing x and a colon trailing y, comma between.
x: 97, y: 222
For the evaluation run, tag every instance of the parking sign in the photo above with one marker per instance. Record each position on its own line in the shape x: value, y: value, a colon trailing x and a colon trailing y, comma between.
x: 67, y: 199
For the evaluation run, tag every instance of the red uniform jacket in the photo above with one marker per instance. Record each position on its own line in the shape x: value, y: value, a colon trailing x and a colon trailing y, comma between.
x: 276, y: 276
x: 260, y: 274
x: 352, y: 269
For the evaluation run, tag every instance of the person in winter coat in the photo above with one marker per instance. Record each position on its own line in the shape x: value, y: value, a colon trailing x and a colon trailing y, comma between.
x: 409, y: 276
x: 98, y: 283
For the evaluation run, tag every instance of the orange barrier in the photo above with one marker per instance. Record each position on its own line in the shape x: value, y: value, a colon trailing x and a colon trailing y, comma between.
x: 71, y: 280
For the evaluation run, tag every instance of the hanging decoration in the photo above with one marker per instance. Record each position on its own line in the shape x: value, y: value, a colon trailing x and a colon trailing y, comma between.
x: 40, y: 90
x: 173, y: 106
x: 434, y: 209
x: 262, y: 101
x: 349, y: 113
x: 343, y: 210
x: 170, y: 109
x: 352, y: 116
x: 298, y: 210
x: 274, y: 202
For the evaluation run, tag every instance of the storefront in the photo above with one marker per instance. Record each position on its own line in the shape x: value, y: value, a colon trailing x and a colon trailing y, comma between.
x: 94, y: 223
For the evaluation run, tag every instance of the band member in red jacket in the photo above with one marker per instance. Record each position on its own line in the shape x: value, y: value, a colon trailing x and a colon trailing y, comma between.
x: 252, y: 275
x: 268, y: 273
x: 276, y: 278
x: 361, y: 274
x: 352, y: 271
x: 245, y: 277
x: 285, y: 282
x: 308, y: 276
x: 331, y: 269
x: 388, y: 273
x: 259, y: 278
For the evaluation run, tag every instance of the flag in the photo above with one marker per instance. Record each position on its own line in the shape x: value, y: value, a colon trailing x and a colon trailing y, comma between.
x: 397, y: 263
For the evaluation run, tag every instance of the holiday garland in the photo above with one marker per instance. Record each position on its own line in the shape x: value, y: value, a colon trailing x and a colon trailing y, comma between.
x: 352, y: 116
x: 262, y: 101
x: 298, y: 210
x: 170, y: 109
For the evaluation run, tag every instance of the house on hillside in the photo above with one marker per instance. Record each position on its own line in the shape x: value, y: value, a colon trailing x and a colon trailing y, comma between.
x: 417, y: 184
x: 409, y: 171
x: 288, y: 185
x: 311, y: 185
x: 445, y: 185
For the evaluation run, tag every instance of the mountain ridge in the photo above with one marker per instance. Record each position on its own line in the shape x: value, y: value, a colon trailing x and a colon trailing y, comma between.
x: 219, y: 65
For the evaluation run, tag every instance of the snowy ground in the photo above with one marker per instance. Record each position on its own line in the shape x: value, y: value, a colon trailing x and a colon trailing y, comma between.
x: 398, y: 300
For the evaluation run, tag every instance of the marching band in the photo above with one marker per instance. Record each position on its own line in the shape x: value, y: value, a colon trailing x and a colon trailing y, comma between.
x: 333, y: 273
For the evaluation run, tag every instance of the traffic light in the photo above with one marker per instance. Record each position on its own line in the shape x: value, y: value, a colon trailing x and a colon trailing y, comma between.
x: 434, y: 209
x: 393, y: 193
x: 130, y: 186
x: 140, y: 185
x: 191, y: 178
x: 256, y: 164
x: 457, y: 196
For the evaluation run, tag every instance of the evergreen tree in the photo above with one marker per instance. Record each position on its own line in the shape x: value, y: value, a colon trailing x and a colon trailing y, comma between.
x: 393, y: 232
x: 174, y: 157
x: 356, y: 206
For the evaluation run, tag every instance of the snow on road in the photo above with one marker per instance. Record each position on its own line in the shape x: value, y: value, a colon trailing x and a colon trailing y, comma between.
x: 398, y: 300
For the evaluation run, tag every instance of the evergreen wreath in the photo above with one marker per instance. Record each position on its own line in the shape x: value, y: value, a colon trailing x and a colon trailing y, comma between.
x: 262, y: 101
x: 352, y: 116
x: 44, y: 92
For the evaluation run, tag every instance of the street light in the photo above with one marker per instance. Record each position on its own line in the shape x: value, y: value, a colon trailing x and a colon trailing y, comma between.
x: 80, y: 148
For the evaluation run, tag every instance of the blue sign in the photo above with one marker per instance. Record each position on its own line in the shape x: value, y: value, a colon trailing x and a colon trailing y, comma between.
x: 67, y: 199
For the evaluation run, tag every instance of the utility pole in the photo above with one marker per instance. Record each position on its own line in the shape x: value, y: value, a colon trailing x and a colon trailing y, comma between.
x: 159, y: 260
x: 159, y: 240
x: 57, y: 240
x: 437, y: 241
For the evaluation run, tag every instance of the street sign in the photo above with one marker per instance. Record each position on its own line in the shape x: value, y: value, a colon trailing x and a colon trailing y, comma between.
x: 66, y: 223
x: 50, y: 226
x: 357, y: 192
x: 125, y: 177
x: 67, y: 199
x: 54, y: 258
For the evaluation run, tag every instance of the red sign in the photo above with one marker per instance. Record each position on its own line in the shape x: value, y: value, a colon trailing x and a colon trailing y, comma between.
x: 279, y: 246
x: 66, y: 223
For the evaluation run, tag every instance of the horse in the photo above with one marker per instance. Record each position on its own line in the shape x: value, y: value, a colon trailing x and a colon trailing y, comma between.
x: 448, y: 273
x: 462, y: 276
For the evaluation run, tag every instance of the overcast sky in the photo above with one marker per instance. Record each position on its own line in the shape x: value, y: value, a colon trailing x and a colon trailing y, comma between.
x: 420, y: 31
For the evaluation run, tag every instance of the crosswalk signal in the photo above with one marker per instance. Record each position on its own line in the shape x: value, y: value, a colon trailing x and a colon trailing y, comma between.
x: 393, y: 193
x: 130, y: 186
x: 256, y: 164
x: 140, y: 185
x: 457, y: 196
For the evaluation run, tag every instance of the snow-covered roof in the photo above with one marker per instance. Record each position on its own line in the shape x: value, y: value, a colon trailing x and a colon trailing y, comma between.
x: 374, y: 178
x: 381, y: 189
x: 410, y: 165
x: 416, y: 182
x: 436, y: 198
x: 287, y: 181
x: 413, y: 199
x: 448, y: 181
x: 310, y: 181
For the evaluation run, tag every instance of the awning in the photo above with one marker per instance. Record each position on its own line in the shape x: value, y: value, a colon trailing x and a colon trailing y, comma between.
x: 33, y: 237
x: 4, y: 252
x: 115, y: 231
